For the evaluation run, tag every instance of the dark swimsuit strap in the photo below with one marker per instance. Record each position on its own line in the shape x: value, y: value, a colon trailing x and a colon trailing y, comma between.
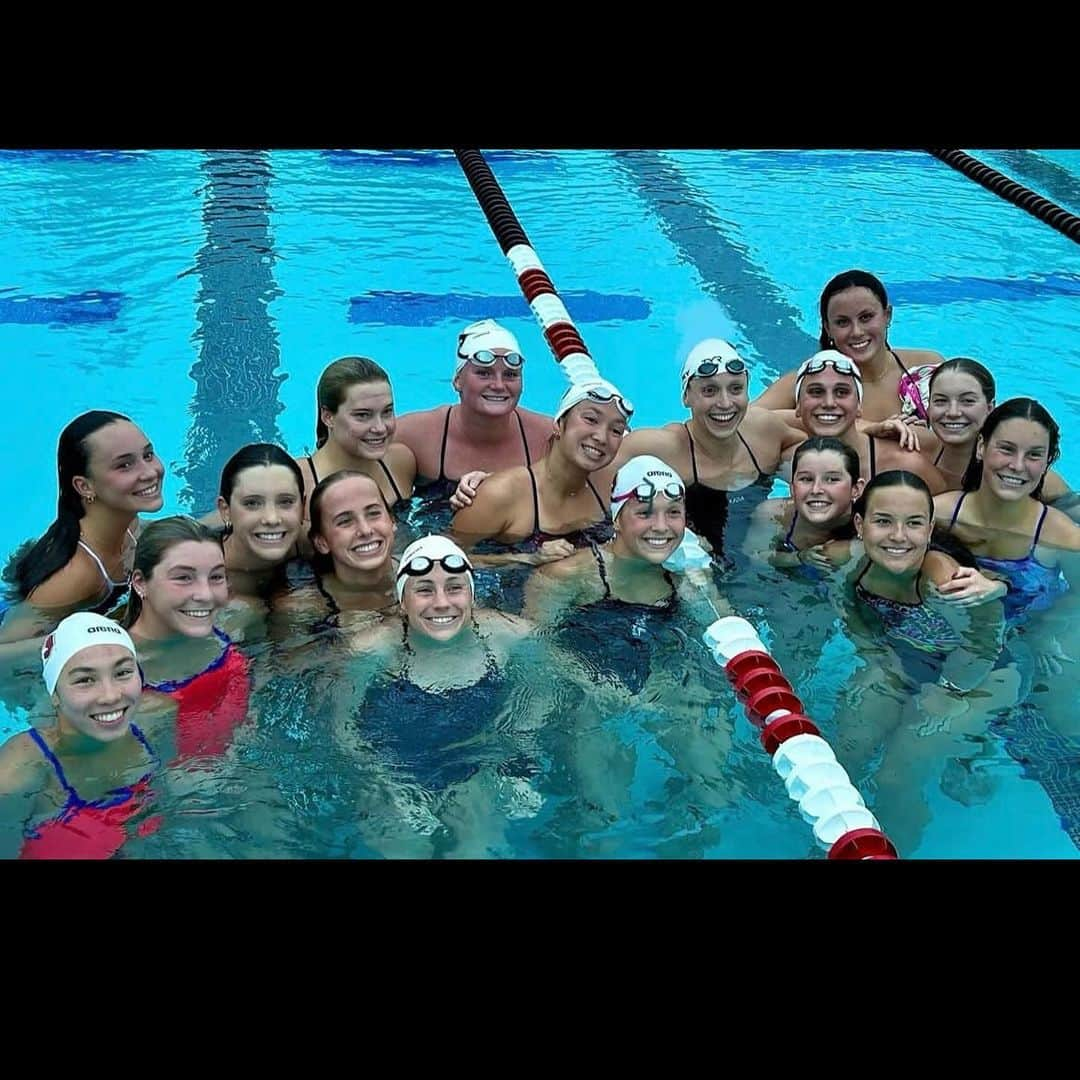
x: 693, y: 457
x: 170, y: 686
x: 491, y: 665
x: 446, y: 436
x: 939, y: 454
x: 334, y: 609
x: 536, y: 500
x: 598, y: 555
x: 390, y: 477
x: 389, y: 474
x: 760, y: 471
x: 74, y: 800
x: 892, y: 353
x: 1038, y: 531
x: 876, y: 596
x: 442, y: 452
x: 873, y: 460
x: 791, y: 530
x: 956, y: 511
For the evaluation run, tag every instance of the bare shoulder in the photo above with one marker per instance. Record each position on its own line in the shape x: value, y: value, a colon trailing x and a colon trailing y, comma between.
x: 654, y: 440
x: 766, y: 422
x: 75, y: 583
x: 1059, y: 530
x: 420, y: 422
x: 939, y: 567
x: 920, y: 357
x: 944, y: 505
x: 534, y: 422
x: 401, y: 458
x: 501, y: 487
x: 21, y: 765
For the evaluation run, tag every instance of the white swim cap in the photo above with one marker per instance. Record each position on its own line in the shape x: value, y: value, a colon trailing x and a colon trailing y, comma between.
x: 485, y: 334
x: 80, y: 631
x: 419, y: 557
x: 640, y: 472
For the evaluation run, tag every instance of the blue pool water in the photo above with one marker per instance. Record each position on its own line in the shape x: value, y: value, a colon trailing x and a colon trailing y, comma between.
x: 203, y: 293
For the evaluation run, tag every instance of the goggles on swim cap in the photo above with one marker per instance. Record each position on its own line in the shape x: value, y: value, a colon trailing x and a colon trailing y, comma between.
x: 419, y: 565
x: 840, y: 363
x: 486, y: 358
x: 646, y: 491
x: 602, y: 392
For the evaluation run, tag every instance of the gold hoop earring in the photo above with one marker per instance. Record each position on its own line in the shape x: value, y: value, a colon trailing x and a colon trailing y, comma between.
x: 89, y: 499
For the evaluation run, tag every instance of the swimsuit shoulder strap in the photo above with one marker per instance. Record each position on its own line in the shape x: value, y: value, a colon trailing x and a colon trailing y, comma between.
x: 536, y: 500
x: 524, y: 441
x: 137, y: 732
x: 597, y: 494
x: 939, y: 454
x: 311, y: 466
x: 760, y: 471
x: 791, y: 531
x: 599, y: 556
x: 334, y: 609
x: 72, y: 795
x: 390, y: 477
x: 100, y: 565
x: 892, y: 353
x: 873, y: 459
x: 445, y: 437
x: 1038, y: 530
x: 693, y: 456
x: 956, y: 510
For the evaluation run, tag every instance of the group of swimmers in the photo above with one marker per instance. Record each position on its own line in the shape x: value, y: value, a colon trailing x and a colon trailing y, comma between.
x: 937, y: 506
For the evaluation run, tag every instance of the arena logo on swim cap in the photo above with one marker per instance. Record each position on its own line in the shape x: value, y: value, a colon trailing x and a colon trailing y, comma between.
x: 103, y: 629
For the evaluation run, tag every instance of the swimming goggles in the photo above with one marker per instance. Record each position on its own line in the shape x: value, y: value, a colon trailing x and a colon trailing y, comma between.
x: 712, y: 364
x: 419, y: 565
x: 625, y: 405
x: 486, y: 358
x: 841, y: 366
x: 646, y: 491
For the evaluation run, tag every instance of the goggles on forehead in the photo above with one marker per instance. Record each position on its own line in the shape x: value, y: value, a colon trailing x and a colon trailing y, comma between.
x: 486, y: 358
x: 419, y: 565
x: 646, y: 491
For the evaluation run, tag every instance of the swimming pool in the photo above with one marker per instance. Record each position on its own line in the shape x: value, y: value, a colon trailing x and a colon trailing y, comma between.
x: 202, y: 294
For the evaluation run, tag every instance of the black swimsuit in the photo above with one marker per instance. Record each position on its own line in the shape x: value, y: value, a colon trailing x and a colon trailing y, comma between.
x: 707, y: 507
x: 616, y: 638
x: 389, y: 476
x: 432, y: 511
x: 599, y: 532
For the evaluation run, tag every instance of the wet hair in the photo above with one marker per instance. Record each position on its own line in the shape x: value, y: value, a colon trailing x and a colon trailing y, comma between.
x: 889, y: 479
x: 324, y: 564
x: 58, y: 545
x: 155, y: 540
x: 849, y: 279
x: 249, y: 457
x: 822, y: 443
x: 334, y: 384
x: 964, y: 366
x: 1022, y: 408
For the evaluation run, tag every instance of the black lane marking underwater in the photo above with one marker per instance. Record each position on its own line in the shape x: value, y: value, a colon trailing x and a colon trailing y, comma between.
x: 727, y: 272
x: 236, y: 394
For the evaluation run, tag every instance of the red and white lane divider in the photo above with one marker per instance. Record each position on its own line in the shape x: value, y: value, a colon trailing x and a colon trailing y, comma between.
x: 827, y: 799
x: 555, y: 322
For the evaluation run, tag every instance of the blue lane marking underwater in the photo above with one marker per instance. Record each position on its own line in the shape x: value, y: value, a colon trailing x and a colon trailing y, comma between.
x: 429, y: 309
x: 94, y: 305
x: 949, y: 290
x: 71, y: 155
